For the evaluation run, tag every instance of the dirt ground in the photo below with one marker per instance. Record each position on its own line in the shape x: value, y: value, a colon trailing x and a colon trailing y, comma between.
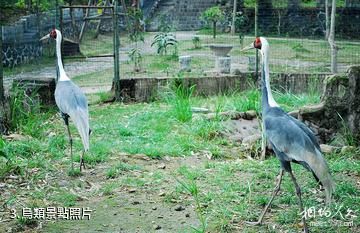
x: 147, y: 206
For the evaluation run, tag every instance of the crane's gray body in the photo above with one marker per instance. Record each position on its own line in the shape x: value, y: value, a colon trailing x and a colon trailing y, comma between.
x: 293, y: 141
x: 72, y: 102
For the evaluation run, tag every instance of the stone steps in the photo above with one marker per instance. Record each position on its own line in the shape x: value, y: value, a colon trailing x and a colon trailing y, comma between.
x: 185, y: 15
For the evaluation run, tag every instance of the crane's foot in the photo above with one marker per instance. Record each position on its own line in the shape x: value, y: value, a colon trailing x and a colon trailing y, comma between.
x: 82, y: 163
x: 306, y: 230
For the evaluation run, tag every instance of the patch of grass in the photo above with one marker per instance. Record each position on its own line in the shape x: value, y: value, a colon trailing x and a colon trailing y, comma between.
x: 108, y: 188
x: 189, y: 174
x: 65, y: 198
x: 74, y: 172
x: 290, y: 101
x: 250, y: 101
x: 179, y: 99
x: 132, y: 181
x: 120, y: 167
x: 193, y: 190
x: 25, y: 112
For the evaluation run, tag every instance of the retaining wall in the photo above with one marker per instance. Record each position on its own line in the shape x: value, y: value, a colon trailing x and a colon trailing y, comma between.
x: 146, y: 89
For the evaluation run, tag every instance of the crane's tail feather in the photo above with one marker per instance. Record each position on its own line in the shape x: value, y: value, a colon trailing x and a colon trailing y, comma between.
x: 80, y: 117
x: 321, y: 170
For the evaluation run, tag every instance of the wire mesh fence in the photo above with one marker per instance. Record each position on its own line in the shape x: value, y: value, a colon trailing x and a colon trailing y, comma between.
x: 297, y: 40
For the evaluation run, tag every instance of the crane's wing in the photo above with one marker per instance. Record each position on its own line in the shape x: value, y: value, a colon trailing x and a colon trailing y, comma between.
x: 297, y: 142
x: 306, y: 130
x: 71, y: 100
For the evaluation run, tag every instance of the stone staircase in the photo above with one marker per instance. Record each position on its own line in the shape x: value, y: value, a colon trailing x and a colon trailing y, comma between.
x: 182, y: 14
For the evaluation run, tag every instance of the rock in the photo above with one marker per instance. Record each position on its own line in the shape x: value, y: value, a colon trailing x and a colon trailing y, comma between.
x: 179, y: 208
x: 249, y: 115
x: 237, y: 71
x: 63, y: 183
x: 347, y: 149
x: 132, y: 190
x: 223, y: 65
x: 162, y: 194
x: 187, y: 215
x: 16, y: 137
x: 154, y: 208
x: 13, y: 177
x: 141, y: 157
x: 156, y: 227
x: 326, y: 149
x: 135, y: 202
x: 185, y: 63
x: 2, y: 185
x: 199, y: 110
x: 162, y: 166
x: 249, y: 140
x: 294, y: 113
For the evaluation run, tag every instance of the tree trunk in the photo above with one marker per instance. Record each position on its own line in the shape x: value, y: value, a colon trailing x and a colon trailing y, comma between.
x: 214, y: 29
x: 327, y: 21
x: 233, y: 18
x: 4, y: 110
x: 331, y: 39
x: 279, y: 21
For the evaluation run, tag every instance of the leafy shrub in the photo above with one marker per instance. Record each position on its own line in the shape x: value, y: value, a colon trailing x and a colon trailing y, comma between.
x: 136, y: 57
x: 25, y: 114
x: 162, y: 41
x: 213, y: 15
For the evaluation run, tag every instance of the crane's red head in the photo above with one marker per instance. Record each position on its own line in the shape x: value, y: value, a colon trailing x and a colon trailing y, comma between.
x: 53, y: 34
x: 257, y: 43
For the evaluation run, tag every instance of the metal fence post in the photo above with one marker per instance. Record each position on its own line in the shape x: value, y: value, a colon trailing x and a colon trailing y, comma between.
x: 57, y: 23
x: 116, y: 81
x: 256, y: 34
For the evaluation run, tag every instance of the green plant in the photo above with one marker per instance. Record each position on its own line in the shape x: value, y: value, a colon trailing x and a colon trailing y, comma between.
x: 120, y: 167
x: 179, y: 99
x: 196, y: 41
x: 136, y: 34
x: 214, y: 15
x: 240, y: 22
x: 193, y: 190
x: 25, y: 112
x: 136, y: 57
x: 135, y: 26
x: 344, y: 137
x: 250, y: 101
x: 163, y: 41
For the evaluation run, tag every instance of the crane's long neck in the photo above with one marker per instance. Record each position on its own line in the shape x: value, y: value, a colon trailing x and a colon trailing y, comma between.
x: 267, y: 98
x: 63, y: 76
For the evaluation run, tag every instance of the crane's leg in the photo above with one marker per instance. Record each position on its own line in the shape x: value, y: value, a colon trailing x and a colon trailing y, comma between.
x: 66, y: 119
x: 275, y: 192
x: 298, y: 193
x: 82, y: 164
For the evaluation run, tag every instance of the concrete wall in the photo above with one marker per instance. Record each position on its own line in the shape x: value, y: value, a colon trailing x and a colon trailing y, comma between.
x: 146, y: 89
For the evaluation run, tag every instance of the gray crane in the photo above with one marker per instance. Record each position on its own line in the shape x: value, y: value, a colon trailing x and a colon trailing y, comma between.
x: 71, y: 101
x: 291, y: 140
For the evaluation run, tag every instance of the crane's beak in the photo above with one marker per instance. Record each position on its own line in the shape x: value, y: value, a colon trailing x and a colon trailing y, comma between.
x: 250, y: 46
x: 45, y: 37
